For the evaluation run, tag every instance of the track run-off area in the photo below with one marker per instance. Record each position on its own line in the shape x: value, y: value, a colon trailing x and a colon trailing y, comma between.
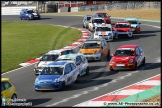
x: 100, y: 80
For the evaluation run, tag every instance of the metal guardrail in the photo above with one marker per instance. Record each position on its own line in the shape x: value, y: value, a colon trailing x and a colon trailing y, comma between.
x: 121, y: 6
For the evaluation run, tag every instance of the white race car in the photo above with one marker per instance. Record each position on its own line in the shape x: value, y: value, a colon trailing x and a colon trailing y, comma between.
x: 94, y: 22
x: 104, y: 31
x: 50, y: 57
x: 80, y: 61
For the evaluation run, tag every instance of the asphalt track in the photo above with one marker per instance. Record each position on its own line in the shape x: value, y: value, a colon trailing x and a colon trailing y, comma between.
x: 95, y: 84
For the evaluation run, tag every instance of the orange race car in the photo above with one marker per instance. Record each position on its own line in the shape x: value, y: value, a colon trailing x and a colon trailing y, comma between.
x: 95, y: 49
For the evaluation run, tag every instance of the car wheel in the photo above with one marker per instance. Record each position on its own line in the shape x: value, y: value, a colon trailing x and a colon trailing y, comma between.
x: 20, y: 18
x: 83, y: 26
x: 28, y: 18
x: 135, y: 67
x: 111, y: 69
x: 144, y: 61
x: 108, y: 55
x: 14, y: 96
x: 87, y: 70
x: 63, y: 86
x: 76, y: 81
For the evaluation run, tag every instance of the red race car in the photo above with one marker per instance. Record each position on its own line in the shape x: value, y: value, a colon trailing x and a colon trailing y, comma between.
x: 127, y: 57
x: 103, y: 15
x: 122, y: 28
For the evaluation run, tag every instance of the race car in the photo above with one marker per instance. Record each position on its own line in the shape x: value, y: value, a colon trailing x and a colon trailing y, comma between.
x: 104, y: 31
x: 56, y: 75
x: 94, y: 22
x: 135, y: 24
x: 86, y: 20
x: 8, y: 91
x: 95, y: 49
x: 50, y: 57
x: 29, y: 14
x: 127, y: 57
x: 80, y: 61
x: 103, y: 15
x: 122, y: 28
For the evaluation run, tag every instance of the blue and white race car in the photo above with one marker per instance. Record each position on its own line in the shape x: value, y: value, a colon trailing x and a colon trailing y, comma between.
x: 135, y: 24
x: 57, y: 75
x: 50, y: 57
x: 29, y: 14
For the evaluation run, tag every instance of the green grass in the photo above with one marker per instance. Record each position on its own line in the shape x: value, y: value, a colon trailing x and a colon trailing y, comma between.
x: 22, y: 41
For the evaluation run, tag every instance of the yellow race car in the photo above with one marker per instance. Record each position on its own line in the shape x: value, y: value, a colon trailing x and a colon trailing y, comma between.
x: 8, y: 90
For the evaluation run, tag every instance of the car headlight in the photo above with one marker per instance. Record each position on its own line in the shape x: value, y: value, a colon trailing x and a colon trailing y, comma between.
x: 109, y: 34
x: 36, y: 80
x: 130, y: 61
x: 57, y: 80
x: 111, y: 60
x: 96, y: 52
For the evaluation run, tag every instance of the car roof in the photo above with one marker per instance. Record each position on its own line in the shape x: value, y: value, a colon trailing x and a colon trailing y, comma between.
x: 131, y: 19
x: 57, y: 64
x: 5, y: 79
x: 129, y: 46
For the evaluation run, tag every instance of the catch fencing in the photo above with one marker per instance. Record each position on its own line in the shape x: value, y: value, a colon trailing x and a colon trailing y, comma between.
x: 131, y: 5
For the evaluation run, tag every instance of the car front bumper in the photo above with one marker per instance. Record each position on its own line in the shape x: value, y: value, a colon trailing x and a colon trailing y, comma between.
x: 93, y: 56
x: 108, y: 38
x: 121, y: 66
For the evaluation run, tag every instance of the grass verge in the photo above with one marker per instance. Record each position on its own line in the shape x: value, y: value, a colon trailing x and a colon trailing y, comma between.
x: 22, y: 41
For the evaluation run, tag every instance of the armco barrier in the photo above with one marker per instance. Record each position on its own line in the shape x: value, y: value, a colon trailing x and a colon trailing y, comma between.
x: 85, y: 35
x: 13, y: 10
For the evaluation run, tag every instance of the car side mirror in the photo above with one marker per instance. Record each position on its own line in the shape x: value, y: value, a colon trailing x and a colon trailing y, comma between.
x: 112, y: 55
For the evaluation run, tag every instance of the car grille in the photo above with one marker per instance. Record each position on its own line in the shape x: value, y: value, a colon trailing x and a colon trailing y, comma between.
x: 46, y: 88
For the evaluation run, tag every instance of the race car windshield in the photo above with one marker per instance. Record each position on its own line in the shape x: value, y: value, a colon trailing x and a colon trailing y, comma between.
x: 30, y: 11
x: 122, y: 25
x: 98, y: 21
x: 52, y: 71
x: 64, y: 59
x: 124, y: 52
x: 102, y: 15
x: 132, y: 22
x: 88, y: 18
x: 91, y: 45
x: 49, y: 57
x: 103, y: 29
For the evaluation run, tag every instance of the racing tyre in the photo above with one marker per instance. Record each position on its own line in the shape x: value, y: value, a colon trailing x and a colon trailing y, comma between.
x: 83, y: 26
x: 144, y: 61
x: 135, y: 66
x: 20, y: 18
x: 108, y: 55
x: 76, y: 81
x: 63, y: 86
x: 87, y: 70
x: 28, y: 18
x: 111, y: 69
x: 14, y: 96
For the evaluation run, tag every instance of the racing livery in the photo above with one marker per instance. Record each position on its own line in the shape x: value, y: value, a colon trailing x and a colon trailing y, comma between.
x: 56, y: 75
x: 127, y: 57
x: 94, y: 22
x: 104, y: 31
x: 80, y: 61
x: 29, y: 14
x: 122, y: 28
x: 135, y: 24
x: 95, y: 49
x: 103, y: 15
x: 50, y: 57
